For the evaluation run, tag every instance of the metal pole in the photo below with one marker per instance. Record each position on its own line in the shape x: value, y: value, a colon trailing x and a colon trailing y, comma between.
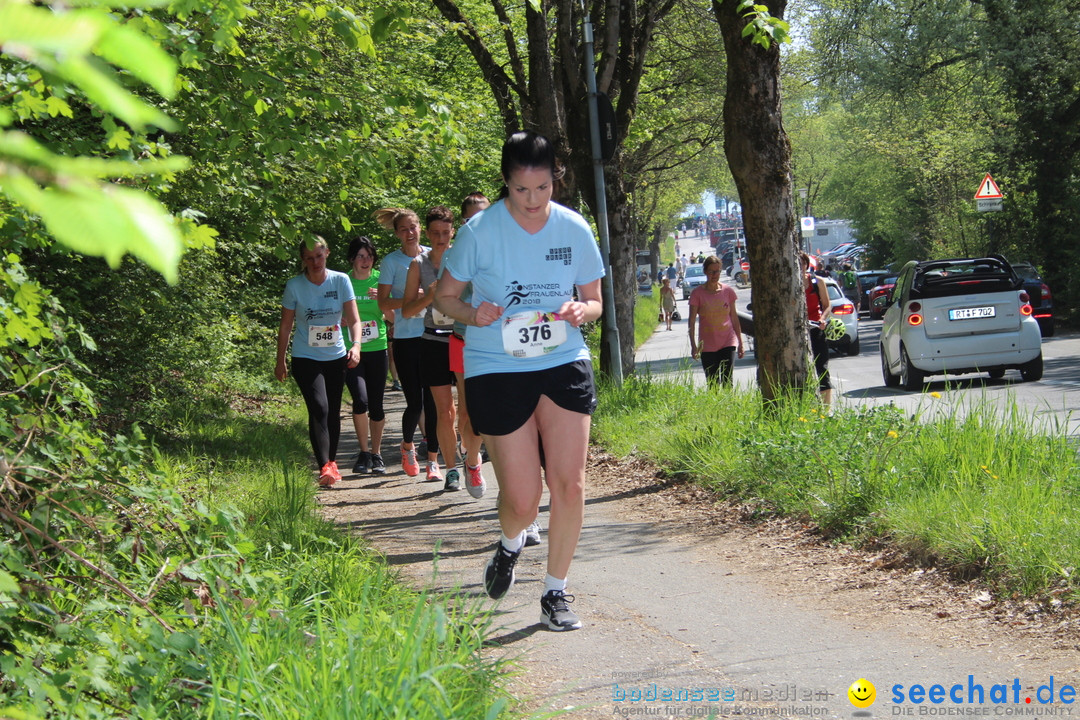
x: 611, y: 327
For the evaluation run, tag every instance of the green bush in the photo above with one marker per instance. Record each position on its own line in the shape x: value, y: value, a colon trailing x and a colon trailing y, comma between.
x: 191, y: 581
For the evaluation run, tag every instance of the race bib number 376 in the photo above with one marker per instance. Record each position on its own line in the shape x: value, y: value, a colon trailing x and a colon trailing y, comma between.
x: 532, y: 334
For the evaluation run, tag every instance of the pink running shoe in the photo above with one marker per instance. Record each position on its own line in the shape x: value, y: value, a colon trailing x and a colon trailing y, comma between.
x: 475, y: 483
x: 408, y: 462
x: 329, y: 474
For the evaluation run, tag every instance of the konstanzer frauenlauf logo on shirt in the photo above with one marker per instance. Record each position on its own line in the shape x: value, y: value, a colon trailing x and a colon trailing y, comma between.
x: 530, y: 293
x: 561, y: 254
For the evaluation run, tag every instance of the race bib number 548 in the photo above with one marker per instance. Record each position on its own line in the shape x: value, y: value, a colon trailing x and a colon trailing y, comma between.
x: 532, y: 334
x: 323, y: 335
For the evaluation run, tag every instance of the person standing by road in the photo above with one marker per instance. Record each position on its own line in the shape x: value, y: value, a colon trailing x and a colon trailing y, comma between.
x: 817, y: 308
x: 314, y: 306
x: 394, y: 270
x: 712, y: 305
x: 367, y: 381
x: 849, y: 282
x: 528, y: 371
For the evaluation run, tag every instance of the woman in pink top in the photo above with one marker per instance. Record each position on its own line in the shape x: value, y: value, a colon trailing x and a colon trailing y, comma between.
x: 713, y: 318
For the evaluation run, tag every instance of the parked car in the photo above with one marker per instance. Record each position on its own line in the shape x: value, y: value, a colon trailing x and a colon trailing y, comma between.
x: 740, y: 272
x: 694, y: 276
x: 959, y: 316
x: 869, y: 279
x: 844, y: 309
x: 879, y: 297
x: 727, y: 259
x: 840, y: 255
x: 1042, y: 301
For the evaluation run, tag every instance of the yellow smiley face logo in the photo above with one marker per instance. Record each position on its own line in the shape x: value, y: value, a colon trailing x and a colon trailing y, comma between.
x: 862, y: 693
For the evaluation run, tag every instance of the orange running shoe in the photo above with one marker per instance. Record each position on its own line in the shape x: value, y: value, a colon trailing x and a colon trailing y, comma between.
x: 329, y: 474
x: 409, y: 463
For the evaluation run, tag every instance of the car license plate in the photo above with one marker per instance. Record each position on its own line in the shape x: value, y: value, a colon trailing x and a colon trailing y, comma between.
x: 972, y: 313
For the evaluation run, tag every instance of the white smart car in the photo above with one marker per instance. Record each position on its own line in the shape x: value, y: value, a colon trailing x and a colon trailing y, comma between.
x: 958, y: 316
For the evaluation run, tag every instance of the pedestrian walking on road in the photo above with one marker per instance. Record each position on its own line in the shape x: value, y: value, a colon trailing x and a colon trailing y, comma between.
x: 849, y: 281
x: 667, y: 301
x: 528, y: 371
x: 817, y: 308
x: 712, y: 305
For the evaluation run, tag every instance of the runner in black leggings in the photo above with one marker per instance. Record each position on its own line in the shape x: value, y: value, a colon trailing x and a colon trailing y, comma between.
x: 367, y: 381
x: 314, y: 307
x: 394, y: 270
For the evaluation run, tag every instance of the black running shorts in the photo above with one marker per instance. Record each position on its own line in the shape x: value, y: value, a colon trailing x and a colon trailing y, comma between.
x: 500, y: 403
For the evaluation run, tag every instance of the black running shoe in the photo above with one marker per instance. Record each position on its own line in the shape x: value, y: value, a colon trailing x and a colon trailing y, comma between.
x: 363, y: 463
x: 378, y: 467
x: 499, y: 573
x: 555, y: 611
x: 453, y: 480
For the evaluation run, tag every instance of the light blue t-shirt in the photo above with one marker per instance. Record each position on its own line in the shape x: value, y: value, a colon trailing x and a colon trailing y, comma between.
x: 394, y: 271
x: 527, y: 275
x: 318, y: 312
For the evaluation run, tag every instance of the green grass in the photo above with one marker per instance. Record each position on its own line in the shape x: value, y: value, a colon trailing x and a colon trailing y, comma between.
x: 646, y: 310
x: 318, y: 627
x: 976, y: 491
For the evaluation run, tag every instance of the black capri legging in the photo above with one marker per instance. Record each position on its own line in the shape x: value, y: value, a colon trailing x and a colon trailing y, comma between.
x: 367, y: 384
x: 718, y: 365
x: 819, y: 348
x: 321, y: 383
x: 407, y: 354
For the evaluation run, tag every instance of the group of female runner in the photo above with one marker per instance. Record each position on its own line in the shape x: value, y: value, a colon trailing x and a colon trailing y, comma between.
x: 534, y: 270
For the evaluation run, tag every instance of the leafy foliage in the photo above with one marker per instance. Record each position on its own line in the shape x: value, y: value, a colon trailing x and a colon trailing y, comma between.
x: 933, y: 97
x: 59, y: 64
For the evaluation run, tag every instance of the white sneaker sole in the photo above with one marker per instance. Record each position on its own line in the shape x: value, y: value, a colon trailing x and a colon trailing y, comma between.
x: 544, y: 619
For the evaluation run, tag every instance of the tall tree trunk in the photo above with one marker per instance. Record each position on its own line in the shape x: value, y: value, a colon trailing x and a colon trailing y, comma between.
x: 759, y: 156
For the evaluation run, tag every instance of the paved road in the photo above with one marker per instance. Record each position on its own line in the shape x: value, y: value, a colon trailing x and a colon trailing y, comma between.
x: 1053, y: 402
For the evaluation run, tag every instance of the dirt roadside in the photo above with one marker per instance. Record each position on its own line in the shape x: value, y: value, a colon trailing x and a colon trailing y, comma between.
x: 676, y: 591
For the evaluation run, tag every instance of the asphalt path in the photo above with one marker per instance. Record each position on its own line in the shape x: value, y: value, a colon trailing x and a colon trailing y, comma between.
x: 1051, y: 404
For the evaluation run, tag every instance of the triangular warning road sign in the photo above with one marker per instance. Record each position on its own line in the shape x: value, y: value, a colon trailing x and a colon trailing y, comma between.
x: 988, y: 189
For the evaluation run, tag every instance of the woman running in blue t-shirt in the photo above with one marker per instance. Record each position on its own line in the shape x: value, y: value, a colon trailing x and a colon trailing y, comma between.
x: 314, y: 307
x: 527, y: 369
